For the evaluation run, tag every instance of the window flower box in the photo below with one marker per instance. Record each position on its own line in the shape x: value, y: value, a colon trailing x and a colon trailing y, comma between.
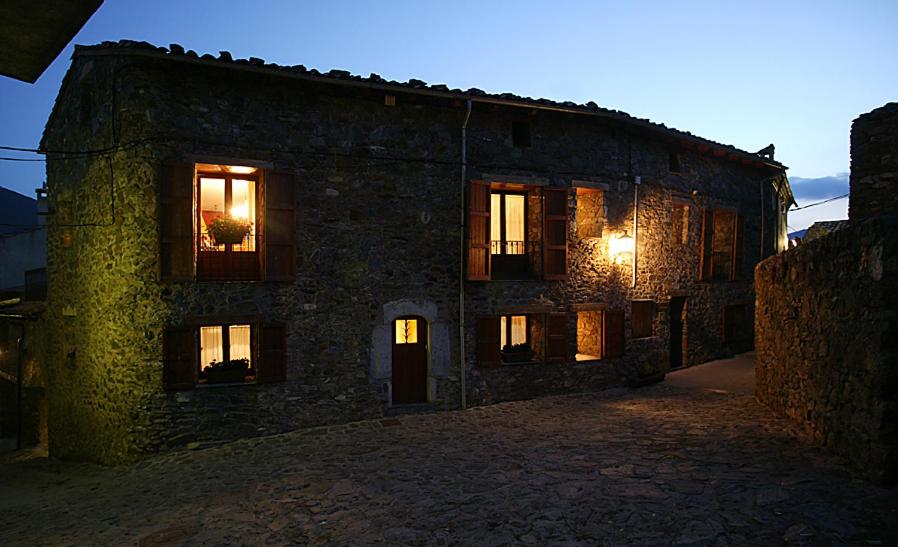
x: 226, y: 372
x: 517, y: 353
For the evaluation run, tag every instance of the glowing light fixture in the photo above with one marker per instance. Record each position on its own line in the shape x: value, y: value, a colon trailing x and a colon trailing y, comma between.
x: 240, y: 211
x: 619, y: 247
x: 241, y: 170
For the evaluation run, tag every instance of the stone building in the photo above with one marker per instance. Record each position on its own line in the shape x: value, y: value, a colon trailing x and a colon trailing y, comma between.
x: 827, y: 315
x: 397, y: 246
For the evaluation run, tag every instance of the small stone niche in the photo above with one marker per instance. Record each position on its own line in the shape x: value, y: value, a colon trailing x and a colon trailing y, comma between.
x: 590, y: 213
x: 589, y: 335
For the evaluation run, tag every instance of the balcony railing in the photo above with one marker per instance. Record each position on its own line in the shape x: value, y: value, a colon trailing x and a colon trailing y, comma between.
x: 514, y: 259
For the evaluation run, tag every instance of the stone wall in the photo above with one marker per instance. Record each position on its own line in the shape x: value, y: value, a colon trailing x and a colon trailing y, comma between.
x: 378, y: 196
x: 826, y: 329
x: 874, y: 163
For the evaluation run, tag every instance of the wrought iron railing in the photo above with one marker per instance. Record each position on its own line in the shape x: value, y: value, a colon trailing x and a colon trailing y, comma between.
x: 498, y: 247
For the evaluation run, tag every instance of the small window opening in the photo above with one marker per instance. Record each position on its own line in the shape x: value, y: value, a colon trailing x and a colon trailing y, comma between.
x: 673, y: 162
x: 520, y: 134
x: 226, y: 354
x: 406, y: 331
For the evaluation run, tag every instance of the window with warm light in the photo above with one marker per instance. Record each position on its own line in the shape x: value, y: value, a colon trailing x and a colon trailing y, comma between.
x: 225, y: 354
x: 512, y: 330
x: 507, y: 223
x: 226, y: 222
x: 406, y: 331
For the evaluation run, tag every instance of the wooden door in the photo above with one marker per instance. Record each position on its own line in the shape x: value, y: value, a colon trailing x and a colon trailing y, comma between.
x: 675, y: 311
x: 410, y: 360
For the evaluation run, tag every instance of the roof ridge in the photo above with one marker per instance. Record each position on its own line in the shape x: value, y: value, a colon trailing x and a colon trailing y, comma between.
x: 590, y: 107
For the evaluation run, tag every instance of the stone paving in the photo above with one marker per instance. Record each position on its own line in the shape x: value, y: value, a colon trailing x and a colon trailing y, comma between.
x: 667, y: 464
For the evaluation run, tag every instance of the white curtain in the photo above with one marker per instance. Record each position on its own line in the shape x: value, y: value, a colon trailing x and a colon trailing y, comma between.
x: 495, y: 219
x: 514, y: 224
x: 240, y: 342
x: 210, y: 346
x: 518, y: 329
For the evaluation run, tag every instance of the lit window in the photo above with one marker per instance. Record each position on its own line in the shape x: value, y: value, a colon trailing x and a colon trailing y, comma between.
x: 406, y: 331
x: 512, y: 330
x: 507, y: 213
x: 226, y: 222
x: 225, y: 354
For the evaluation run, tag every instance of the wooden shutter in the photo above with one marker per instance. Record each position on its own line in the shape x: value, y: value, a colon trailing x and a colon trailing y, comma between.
x: 273, y: 366
x: 478, y: 230
x: 641, y: 316
x: 613, y: 333
x: 555, y: 224
x: 705, y: 267
x: 556, y: 337
x: 280, y: 227
x: 738, y: 237
x: 176, y: 222
x: 179, y: 358
x: 488, y: 338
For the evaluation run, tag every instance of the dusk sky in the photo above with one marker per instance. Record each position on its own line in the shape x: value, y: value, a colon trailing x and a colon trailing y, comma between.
x: 792, y: 73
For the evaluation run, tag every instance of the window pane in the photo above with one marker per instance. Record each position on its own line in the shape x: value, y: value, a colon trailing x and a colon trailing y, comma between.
x: 514, y: 225
x: 243, y: 206
x: 240, y: 342
x: 495, y: 223
x: 210, y: 346
x: 211, y: 206
x: 406, y: 331
x: 518, y: 329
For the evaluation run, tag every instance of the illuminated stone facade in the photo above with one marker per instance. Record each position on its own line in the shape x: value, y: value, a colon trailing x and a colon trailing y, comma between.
x: 379, y: 198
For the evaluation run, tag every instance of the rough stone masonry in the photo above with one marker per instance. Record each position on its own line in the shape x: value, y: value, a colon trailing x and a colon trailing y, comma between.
x: 359, y: 206
x: 826, y: 320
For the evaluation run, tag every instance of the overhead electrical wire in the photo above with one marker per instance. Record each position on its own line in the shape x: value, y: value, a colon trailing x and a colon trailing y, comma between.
x: 843, y: 196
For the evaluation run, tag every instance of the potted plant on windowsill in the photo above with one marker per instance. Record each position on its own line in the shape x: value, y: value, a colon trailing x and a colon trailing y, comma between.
x: 517, y: 353
x: 226, y: 372
x: 229, y: 230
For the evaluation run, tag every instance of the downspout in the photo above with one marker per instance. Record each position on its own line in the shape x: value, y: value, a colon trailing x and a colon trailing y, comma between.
x: 462, y: 374
x: 20, y: 349
x: 763, y: 205
x: 635, y: 227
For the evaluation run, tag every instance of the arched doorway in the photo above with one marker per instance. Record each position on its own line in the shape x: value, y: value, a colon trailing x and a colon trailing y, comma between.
x: 410, y: 357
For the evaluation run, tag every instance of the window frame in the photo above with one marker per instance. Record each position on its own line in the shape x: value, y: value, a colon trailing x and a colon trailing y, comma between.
x: 228, y: 251
x: 502, y: 227
x: 254, y: 329
x: 508, y: 326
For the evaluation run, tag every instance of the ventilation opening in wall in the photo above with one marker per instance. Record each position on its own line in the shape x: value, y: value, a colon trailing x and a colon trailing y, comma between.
x: 673, y: 162
x: 520, y: 134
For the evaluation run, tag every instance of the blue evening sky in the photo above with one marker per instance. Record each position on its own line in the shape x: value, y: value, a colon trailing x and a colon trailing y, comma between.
x: 794, y: 73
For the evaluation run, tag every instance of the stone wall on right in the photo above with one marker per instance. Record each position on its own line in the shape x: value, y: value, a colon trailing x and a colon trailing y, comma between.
x: 826, y: 336
x: 874, y: 163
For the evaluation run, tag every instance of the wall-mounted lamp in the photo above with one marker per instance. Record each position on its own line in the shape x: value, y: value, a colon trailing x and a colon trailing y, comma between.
x: 619, y: 247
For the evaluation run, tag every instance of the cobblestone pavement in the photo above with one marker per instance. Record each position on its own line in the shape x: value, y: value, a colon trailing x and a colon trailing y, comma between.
x: 665, y: 464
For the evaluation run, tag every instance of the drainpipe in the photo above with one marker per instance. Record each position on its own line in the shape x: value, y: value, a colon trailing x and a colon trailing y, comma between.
x: 462, y: 371
x: 20, y: 349
x: 637, y: 180
x: 763, y: 205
